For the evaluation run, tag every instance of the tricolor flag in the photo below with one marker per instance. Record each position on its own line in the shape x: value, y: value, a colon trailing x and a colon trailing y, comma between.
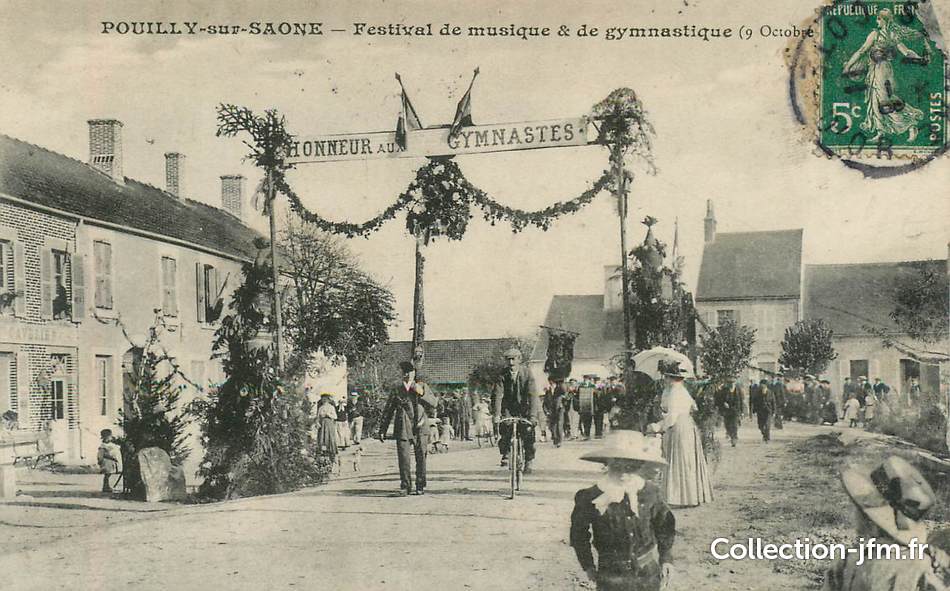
x: 408, y: 119
x: 463, y: 112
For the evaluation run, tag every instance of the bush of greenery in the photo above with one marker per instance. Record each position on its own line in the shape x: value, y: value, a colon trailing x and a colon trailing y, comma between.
x: 923, y: 423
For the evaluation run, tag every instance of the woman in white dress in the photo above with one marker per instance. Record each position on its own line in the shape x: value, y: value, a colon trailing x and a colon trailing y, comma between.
x: 686, y: 480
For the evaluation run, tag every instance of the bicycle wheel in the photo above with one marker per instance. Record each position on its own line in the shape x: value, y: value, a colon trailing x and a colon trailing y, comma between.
x: 520, y: 471
x: 513, y: 464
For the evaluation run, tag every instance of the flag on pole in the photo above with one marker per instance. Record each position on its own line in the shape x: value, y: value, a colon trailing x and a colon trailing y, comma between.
x: 676, y: 238
x: 463, y: 112
x: 408, y: 118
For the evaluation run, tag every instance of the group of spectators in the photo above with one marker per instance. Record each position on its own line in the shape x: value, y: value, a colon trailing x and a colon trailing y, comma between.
x: 572, y: 409
x: 339, y: 423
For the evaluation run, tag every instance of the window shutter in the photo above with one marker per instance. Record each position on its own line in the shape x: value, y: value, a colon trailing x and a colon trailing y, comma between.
x: 23, y: 389
x: 19, y: 279
x: 46, y: 283
x: 78, y: 269
x: 200, y: 289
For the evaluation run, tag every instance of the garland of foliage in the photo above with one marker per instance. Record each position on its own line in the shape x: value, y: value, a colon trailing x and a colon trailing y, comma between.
x: 438, y: 198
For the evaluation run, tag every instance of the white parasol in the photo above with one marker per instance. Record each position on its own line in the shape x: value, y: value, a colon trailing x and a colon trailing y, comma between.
x: 647, y: 362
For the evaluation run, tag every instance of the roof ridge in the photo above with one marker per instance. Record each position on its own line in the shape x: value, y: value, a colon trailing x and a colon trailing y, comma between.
x: 786, y: 230
x: 458, y: 340
x: 876, y: 263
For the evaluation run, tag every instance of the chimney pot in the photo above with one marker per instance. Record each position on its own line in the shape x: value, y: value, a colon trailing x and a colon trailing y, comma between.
x: 174, y: 173
x: 232, y: 194
x: 709, y: 225
x: 105, y: 147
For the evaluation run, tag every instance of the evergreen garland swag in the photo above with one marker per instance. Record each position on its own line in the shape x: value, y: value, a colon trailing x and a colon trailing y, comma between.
x: 438, y: 199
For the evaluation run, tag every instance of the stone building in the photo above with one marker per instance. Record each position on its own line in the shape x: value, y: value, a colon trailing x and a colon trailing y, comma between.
x: 89, y: 259
x: 754, y: 279
x: 759, y: 279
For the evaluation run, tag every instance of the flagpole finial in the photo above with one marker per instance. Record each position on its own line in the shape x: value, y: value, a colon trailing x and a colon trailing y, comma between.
x: 398, y: 79
x: 476, y: 70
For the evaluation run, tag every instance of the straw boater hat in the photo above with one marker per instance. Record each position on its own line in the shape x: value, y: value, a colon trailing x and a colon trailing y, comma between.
x: 895, y: 497
x: 628, y: 445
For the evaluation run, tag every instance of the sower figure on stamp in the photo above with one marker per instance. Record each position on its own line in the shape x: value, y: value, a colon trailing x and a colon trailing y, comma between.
x: 516, y: 396
x: 633, y: 529
x: 410, y: 424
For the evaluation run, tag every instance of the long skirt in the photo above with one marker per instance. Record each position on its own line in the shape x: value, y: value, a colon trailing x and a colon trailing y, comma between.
x: 343, y: 434
x: 326, y: 437
x: 686, y: 477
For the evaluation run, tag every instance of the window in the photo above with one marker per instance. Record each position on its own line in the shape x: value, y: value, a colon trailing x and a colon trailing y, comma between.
x: 103, y: 383
x: 209, y: 293
x: 58, y: 399
x: 169, y: 286
x: 102, y: 255
x: 7, y: 278
x: 723, y: 316
x: 61, y: 308
x: 859, y: 367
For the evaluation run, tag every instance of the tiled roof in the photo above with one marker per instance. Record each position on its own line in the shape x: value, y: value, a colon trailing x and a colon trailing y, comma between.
x: 449, y: 361
x: 751, y: 265
x: 600, y: 333
x: 53, y: 180
x: 852, y: 297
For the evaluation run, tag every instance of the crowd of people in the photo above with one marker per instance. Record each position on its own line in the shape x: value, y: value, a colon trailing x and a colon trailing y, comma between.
x: 776, y: 399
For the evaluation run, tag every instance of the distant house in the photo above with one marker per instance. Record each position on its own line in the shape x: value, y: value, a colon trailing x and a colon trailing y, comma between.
x: 754, y: 279
x: 448, y: 363
x: 855, y: 298
x: 598, y: 321
x: 759, y: 280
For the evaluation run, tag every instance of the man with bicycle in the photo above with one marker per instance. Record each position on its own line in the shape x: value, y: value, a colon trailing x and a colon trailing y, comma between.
x: 516, y: 396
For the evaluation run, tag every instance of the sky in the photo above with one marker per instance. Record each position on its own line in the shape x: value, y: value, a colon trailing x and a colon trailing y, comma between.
x: 724, y: 131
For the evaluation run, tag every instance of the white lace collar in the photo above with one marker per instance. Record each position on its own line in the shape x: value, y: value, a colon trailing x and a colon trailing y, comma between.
x: 614, y: 490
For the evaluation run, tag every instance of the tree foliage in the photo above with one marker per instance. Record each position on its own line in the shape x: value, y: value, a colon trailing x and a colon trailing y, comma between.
x: 921, y: 304
x: 150, y: 417
x: 807, y: 346
x: 726, y: 351
x: 333, y: 306
x: 255, y: 426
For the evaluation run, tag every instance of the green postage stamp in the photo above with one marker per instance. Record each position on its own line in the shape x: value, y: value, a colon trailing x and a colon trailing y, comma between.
x: 883, y: 80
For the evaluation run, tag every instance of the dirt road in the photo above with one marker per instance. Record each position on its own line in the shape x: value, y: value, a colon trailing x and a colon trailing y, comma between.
x: 355, y: 533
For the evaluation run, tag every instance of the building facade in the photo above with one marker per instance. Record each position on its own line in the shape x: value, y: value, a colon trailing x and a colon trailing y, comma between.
x: 91, y: 260
x: 759, y: 280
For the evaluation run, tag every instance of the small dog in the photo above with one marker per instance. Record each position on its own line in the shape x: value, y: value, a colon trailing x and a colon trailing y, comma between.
x: 357, y: 454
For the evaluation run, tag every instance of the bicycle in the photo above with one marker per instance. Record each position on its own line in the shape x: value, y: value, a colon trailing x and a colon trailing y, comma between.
x: 516, y: 460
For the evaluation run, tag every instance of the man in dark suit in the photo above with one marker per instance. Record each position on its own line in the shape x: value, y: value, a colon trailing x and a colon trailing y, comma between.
x: 729, y: 401
x: 410, y: 429
x: 516, y: 396
x: 764, y: 407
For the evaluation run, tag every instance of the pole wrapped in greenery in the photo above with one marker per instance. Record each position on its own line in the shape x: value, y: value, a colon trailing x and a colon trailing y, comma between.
x: 254, y: 426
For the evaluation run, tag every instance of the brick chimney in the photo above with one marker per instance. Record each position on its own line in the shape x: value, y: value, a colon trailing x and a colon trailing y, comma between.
x: 105, y: 147
x: 709, y: 225
x: 232, y: 194
x: 613, y: 288
x: 174, y: 173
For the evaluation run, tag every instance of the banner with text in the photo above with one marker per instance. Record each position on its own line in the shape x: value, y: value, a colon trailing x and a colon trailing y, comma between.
x: 434, y: 141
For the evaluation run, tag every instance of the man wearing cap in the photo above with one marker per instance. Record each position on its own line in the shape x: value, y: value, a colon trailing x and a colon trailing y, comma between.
x: 633, y: 528
x: 516, y: 396
x: 729, y: 401
x: 891, y: 502
x: 405, y: 410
